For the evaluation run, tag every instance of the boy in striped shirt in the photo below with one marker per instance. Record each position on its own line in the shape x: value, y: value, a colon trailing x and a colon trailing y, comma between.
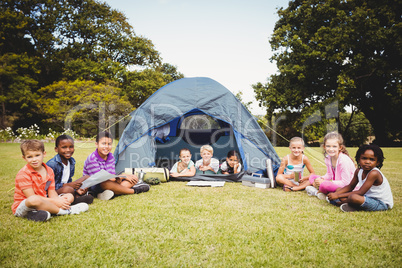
x: 102, y: 158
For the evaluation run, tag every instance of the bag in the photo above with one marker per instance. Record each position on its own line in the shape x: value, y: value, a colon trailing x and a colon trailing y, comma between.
x: 154, y: 172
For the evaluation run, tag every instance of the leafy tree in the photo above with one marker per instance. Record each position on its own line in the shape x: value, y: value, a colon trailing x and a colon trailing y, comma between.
x: 348, y: 51
x: 84, y: 106
x: 16, y: 80
x: 141, y: 84
x: 78, y: 39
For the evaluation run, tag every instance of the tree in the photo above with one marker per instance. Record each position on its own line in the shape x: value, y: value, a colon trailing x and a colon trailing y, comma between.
x: 16, y: 80
x: 335, y: 50
x: 78, y: 39
x: 84, y: 106
x: 141, y: 84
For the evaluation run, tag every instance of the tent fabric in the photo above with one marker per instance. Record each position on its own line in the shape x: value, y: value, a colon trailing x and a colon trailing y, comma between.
x: 176, y: 100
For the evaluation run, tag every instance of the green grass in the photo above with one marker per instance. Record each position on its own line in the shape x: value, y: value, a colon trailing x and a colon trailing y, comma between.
x: 174, y: 225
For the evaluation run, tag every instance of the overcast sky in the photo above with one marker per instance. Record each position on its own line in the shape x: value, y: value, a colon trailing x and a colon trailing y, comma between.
x: 226, y: 40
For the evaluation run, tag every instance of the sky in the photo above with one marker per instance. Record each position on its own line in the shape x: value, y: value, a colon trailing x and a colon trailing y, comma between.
x: 226, y: 40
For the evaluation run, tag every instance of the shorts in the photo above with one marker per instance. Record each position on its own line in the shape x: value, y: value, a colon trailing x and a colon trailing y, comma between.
x: 372, y: 204
x: 22, y: 210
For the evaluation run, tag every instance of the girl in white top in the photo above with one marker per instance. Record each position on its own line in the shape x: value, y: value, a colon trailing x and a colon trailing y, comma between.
x: 232, y: 164
x: 207, y: 163
x: 374, y: 193
x: 184, y: 167
x: 294, y: 162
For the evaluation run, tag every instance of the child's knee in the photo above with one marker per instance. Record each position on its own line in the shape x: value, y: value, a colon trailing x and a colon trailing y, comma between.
x: 65, y: 190
x: 280, y: 178
x: 33, y: 201
x: 69, y: 197
x: 355, y: 199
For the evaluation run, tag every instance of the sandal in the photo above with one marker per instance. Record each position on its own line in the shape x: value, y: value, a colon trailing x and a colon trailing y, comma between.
x: 285, y: 188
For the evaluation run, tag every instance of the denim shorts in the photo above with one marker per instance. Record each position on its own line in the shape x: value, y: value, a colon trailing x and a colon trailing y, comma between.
x: 372, y: 204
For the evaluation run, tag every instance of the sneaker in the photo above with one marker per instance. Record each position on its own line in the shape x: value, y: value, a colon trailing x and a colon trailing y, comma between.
x: 311, y: 191
x: 347, y: 208
x: 78, y: 208
x: 83, y: 199
x: 38, y: 215
x: 106, y: 195
x: 321, y: 196
x: 141, y: 188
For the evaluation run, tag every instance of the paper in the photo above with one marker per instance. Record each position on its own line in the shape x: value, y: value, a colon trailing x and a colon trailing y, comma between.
x: 97, y: 178
x: 206, y: 183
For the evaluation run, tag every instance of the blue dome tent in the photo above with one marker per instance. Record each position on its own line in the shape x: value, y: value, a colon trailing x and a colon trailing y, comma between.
x: 188, y: 113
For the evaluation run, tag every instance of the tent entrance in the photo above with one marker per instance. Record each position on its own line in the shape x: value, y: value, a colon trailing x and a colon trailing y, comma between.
x: 191, y: 131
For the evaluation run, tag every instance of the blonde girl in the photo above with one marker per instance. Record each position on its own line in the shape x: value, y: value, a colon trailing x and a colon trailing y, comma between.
x: 340, y: 168
x: 294, y: 162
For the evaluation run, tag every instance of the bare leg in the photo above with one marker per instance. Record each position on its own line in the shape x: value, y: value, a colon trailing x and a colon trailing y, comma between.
x: 40, y: 203
x: 65, y: 189
x: 117, y: 188
x: 281, y: 181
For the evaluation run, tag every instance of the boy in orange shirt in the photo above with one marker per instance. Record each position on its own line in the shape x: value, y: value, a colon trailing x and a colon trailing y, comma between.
x: 35, y: 196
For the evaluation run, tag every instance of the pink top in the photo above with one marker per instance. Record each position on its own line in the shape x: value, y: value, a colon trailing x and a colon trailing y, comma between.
x: 344, y: 170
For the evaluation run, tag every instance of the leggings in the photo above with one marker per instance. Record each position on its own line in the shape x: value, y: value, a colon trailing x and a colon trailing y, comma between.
x: 325, y: 186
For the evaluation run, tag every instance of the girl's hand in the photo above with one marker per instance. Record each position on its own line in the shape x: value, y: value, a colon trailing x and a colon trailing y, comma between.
x: 332, y: 196
x: 317, y: 182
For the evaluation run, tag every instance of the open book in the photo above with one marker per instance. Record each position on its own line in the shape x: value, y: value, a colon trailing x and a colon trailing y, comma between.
x: 99, y: 177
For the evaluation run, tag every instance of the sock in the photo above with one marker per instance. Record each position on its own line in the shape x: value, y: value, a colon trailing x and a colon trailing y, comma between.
x: 63, y: 212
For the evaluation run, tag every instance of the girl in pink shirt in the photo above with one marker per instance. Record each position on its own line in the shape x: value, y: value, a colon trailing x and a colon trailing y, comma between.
x: 340, y: 168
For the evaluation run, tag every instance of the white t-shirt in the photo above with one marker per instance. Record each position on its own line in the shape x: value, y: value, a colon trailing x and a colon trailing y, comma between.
x: 224, y: 167
x: 214, y: 164
x: 66, y: 172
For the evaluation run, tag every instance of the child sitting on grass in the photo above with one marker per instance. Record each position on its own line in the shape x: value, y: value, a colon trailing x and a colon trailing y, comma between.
x: 35, y: 196
x: 374, y: 193
x: 294, y: 162
x: 340, y: 168
x: 207, y: 163
x: 63, y: 165
x: 184, y: 167
x: 102, y: 158
x: 232, y: 164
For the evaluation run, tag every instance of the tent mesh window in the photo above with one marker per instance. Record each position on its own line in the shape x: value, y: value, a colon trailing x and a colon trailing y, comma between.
x: 200, y: 129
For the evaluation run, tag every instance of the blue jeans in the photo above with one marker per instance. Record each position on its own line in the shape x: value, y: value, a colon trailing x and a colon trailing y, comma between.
x: 372, y: 204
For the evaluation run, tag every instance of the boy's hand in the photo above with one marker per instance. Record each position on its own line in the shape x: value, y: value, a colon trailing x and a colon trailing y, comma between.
x: 132, y: 178
x: 76, y: 185
x: 82, y: 191
x: 62, y: 202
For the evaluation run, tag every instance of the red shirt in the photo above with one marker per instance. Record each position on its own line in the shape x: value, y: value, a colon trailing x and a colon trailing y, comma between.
x: 27, y: 178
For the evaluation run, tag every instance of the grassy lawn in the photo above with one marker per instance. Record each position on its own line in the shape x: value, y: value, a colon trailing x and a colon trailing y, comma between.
x: 174, y: 225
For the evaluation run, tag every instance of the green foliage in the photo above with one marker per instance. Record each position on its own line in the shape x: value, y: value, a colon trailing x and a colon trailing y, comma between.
x: 348, y: 51
x: 174, y: 225
x: 16, y: 86
x: 84, y: 104
x: 141, y: 84
x: 45, y: 43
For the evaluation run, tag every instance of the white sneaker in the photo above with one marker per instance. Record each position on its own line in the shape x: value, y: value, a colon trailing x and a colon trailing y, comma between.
x: 321, y: 196
x: 311, y: 191
x: 106, y: 195
x: 78, y: 208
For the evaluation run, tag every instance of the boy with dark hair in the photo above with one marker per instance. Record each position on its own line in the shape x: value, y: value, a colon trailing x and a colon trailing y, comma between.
x: 63, y: 165
x: 35, y: 197
x: 102, y: 158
